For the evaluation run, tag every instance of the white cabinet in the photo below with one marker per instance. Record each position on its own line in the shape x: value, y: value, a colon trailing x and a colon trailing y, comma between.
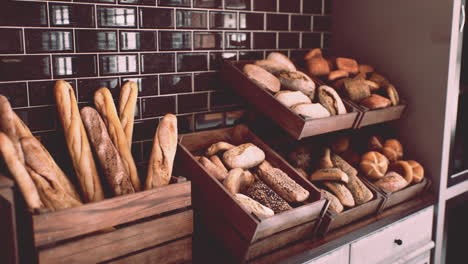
x: 339, y: 256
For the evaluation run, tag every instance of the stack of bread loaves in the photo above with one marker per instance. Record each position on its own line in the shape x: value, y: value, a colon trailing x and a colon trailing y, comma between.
x: 258, y: 187
x: 293, y: 88
x: 359, y: 82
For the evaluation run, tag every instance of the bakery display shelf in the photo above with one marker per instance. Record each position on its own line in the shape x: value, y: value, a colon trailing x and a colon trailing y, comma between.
x: 148, y: 223
x: 296, y: 125
x: 243, y: 234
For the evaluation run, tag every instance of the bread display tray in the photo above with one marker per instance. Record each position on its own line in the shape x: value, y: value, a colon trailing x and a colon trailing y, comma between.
x: 377, y: 116
x: 297, y: 126
x: 244, y: 235
x: 144, y: 227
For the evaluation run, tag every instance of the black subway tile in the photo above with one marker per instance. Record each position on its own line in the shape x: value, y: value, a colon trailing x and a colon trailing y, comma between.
x: 208, y: 3
x: 277, y: 22
x: 137, y: 153
x: 207, y: 81
x: 157, y: 62
x: 192, y: 102
x: 223, y: 20
x: 145, y: 129
x: 116, y: 16
x: 10, y: 42
x: 38, y: 118
x: 207, y: 40
x: 97, y: 1
x: 175, y: 83
x: 185, y: 123
x: 290, y: 6
x: 17, y: 13
x: 42, y: 41
x: 288, y: 40
x: 322, y: 23
x: 158, y: 106
x: 174, y: 3
x: 74, y: 66
x: 264, y: 5
x: 13, y: 68
x: 118, y: 64
x: 192, y: 61
x: 312, y: 6
x: 96, y: 40
x: 264, y: 40
x: 234, y: 117
x: 138, y: 2
x: 42, y: 92
x: 311, y: 40
x: 224, y: 99
x: 237, y: 4
x: 328, y: 7
x: 216, y: 59
x: 147, y: 85
x: 175, y: 40
x: 16, y: 93
x: 298, y: 55
x: 237, y: 40
x: 301, y: 23
x: 205, y: 121
x: 251, y: 21
x: 191, y: 19
x: 251, y: 55
x: 87, y: 87
x: 156, y: 18
x: 327, y: 41
x: 137, y: 40
x: 69, y: 15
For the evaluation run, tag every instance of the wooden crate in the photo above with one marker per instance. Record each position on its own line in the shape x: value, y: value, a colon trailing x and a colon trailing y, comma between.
x: 297, y: 126
x: 243, y: 234
x: 8, y: 235
x: 377, y: 116
x: 145, y: 227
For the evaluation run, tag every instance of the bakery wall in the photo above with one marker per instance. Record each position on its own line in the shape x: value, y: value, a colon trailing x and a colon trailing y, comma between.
x: 171, y: 48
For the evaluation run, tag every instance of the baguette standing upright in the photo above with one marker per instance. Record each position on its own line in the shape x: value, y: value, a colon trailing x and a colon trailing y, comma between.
x: 77, y: 142
x: 127, y: 105
x: 105, y: 106
x: 163, y: 153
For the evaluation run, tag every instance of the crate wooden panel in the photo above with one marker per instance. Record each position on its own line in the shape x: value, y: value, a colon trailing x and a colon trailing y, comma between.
x: 297, y: 126
x: 228, y: 221
x: 8, y: 235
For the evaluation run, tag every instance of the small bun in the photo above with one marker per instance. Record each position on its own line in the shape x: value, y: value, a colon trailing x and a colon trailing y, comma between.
x: 404, y: 169
x: 393, y: 150
x: 374, y: 165
x: 418, y: 171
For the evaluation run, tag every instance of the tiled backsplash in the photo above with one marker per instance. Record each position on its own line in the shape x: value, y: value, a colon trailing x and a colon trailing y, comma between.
x: 172, y: 48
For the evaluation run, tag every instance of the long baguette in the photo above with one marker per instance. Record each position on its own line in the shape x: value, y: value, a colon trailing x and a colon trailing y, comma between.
x: 163, y: 153
x: 19, y: 173
x: 109, y: 158
x: 341, y: 192
x: 127, y: 104
x: 77, y: 142
x: 105, y: 106
x: 286, y: 187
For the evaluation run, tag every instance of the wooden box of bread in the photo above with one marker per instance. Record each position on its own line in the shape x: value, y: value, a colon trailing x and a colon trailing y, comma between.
x: 257, y: 206
x: 289, y: 97
x: 359, y: 84
x: 98, y: 211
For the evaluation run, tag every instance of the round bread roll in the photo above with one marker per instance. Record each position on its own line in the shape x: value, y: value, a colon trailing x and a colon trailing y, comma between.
x: 290, y: 98
x: 418, y: 171
x: 340, y: 144
x: 272, y: 66
x: 313, y: 53
x: 375, y: 101
x: 298, y: 81
x: 330, y: 99
x: 348, y: 65
x: 393, y: 150
x: 283, y: 59
x: 392, y: 182
x: 262, y: 78
x: 365, y: 68
x: 356, y: 90
x: 374, y: 165
x: 310, y: 110
x: 317, y: 66
x: 404, y: 169
x: 244, y: 156
x: 334, y: 75
x: 392, y: 94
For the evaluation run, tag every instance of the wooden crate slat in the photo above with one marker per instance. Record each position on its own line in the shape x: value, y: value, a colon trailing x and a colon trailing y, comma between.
x: 68, y: 223
x: 102, y: 247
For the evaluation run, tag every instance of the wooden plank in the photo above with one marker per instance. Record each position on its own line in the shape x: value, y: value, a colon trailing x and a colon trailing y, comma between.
x: 371, y: 117
x: 107, y: 246
x: 8, y: 234
x: 69, y: 223
x: 5, y: 182
x: 179, y: 251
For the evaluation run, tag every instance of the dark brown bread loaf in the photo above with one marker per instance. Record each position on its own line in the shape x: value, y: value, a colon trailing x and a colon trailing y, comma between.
x: 360, y: 192
x: 261, y: 193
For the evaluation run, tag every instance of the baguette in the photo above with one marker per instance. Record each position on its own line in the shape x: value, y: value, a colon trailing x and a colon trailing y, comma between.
x: 335, y: 205
x: 233, y: 181
x: 341, y: 192
x: 330, y: 174
x: 163, y: 154
x: 127, y: 105
x: 343, y: 165
x: 217, y: 161
x: 213, y: 169
x: 105, y: 106
x: 77, y: 142
x: 360, y: 192
x: 111, y: 163
x: 286, y: 187
x: 19, y: 173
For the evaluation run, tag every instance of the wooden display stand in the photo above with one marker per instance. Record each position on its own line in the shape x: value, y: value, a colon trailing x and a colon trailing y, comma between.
x: 8, y: 236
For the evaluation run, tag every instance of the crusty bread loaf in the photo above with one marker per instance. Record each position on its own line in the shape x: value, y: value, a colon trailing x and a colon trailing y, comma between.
x: 330, y: 174
x: 334, y: 75
x: 379, y: 79
x: 263, y: 194
x: 281, y: 58
x: 317, y: 66
x: 283, y: 185
x: 233, y: 181
x: 418, y: 171
x: 365, y: 68
x: 212, y: 169
x: 298, y: 81
x: 313, y: 53
x: 218, y: 147
x: 127, y: 106
x: 404, y: 169
x: 361, y: 193
x: 105, y: 106
x: 19, y: 173
x: 348, y: 65
x: 374, y: 165
x: 247, y: 179
x: 112, y: 165
x: 272, y: 66
x: 217, y: 161
x: 343, y: 165
x: 393, y: 150
x: 77, y: 142
x: 341, y: 192
x: 253, y: 206
x: 335, y: 204
x: 392, y: 94
x: 340, y: 144
x: 391, y: 182
x: 376, y: 101
x: 163, y: 153
x: 244, y: 156
x: 262, y: 77
x: 290, y: 98
x: 330, y: 99
x: 356, y: 90
x: 309, y: 110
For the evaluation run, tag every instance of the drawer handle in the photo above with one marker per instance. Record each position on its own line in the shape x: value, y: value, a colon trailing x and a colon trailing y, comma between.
x: 398, y: 242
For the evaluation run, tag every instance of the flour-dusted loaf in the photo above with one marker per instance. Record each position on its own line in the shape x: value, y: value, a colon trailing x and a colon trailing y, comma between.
x: 391, y: 182
x: 310, y: 110
x: 290, y: 98
x: 127, y: 107
x: 218, y: 147
x: 262, y: 77
x: 163, y: 153
x: 253, y: 206
x: 283, y: 185
x: 217, y: 161
x: 263, y: 194
x: 376, y: 101
x: 335, y: 204
x: 244, y: 156
x: 341, y: 192
x: 361, y: 193
x: 112, y: 165
x: 283, y: 59
x: 298, y: 81
x: 330, y: 99
x: 77, y: 142
x: 233, y: 181
x: 330, y: 174
x: 212, y: 169
x: 343, y: 165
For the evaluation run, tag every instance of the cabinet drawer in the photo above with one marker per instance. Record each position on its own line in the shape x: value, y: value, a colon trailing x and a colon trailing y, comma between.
x: 395, y: 239
x: 424, y: 258
x: 339, y: 256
